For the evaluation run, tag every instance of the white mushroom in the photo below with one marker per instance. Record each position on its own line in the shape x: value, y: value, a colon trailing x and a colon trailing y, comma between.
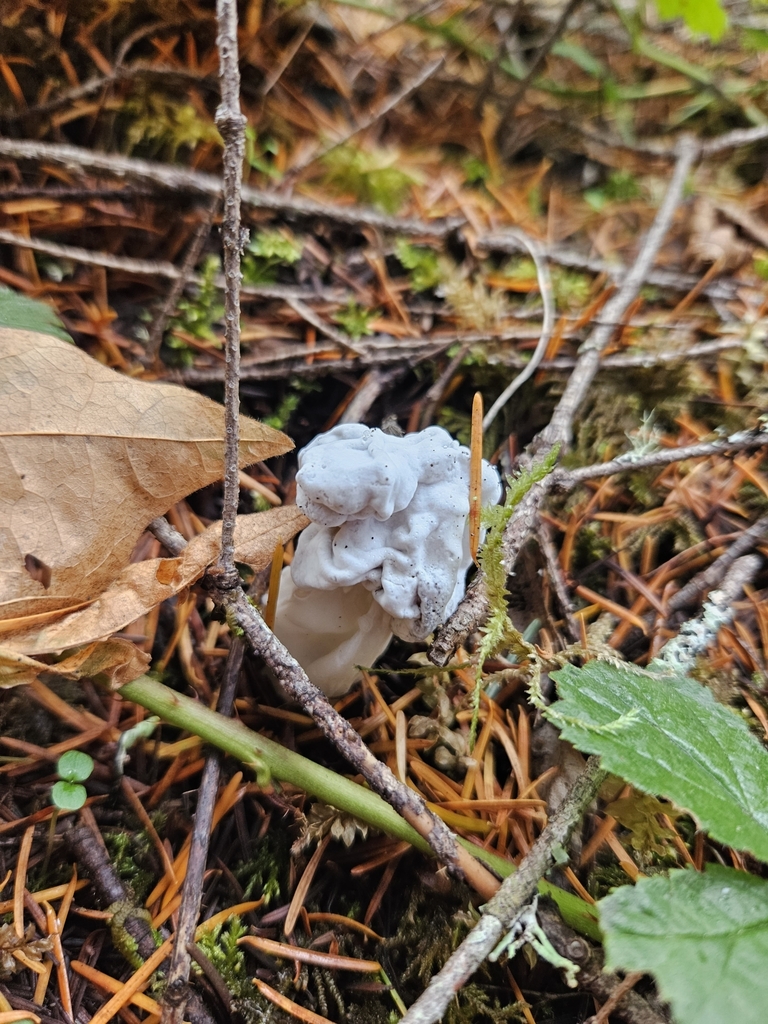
x: 387, y: 550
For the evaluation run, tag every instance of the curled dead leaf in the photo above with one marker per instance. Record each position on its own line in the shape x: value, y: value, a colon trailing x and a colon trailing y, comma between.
x: 142, y: 585
x: 88, y: 457
x: 119, y: 660
x: 713, y: 241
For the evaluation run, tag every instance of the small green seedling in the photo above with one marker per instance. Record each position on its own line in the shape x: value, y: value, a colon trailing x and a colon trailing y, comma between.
x: 72, y: 768
x: 68, y: 794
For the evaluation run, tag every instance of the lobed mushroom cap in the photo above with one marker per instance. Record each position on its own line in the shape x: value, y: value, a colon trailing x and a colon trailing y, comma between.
x: 390, y: 513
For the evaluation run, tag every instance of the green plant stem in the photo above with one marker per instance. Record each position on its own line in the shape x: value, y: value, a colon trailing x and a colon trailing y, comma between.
x: 266, y: 756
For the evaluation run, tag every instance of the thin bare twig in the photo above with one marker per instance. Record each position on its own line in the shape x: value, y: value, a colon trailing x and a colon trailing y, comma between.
x: 557, y: 577
x: 713, y: 574
x: 177, y: 179
x: 568, y: 256
x: 312, y: 317
x: 603, y: 1014
x: 231, y: 122
x: 541, y: 55
x: 548, y: 300
x: 168, y: 308
x: 176, y: 991
x: 500, y: 913
x: 559, y: 429
x: 293, y: 679
x: 158, y: 268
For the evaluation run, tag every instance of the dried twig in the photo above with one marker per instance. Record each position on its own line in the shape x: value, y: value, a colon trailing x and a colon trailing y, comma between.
x: 157, y: 268
x: 559, y: 429
x: 538, y: 61
x: 168, y: 308
x: 714, y: 573
x: 85, y: 846
x: 311, y: 317
x: 548, y: 299
x: 337, y: 729
x: 231, y: 123
x: 500, y: 913
x: 176, y: 992
x: 179, y: 179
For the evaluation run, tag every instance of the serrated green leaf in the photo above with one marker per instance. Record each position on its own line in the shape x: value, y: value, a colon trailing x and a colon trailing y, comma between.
x: 678, y: 743
x: 704, y: 937
x: 74, y: 766
x: 68, y: 796
x: 17, y: 311
x: 705, y: 16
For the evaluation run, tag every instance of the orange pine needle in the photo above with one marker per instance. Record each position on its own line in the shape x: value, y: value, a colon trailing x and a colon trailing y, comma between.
x: 274, y: 585
x: 310, y: 956
x: 475, y: 475
x: 108, y: 984
x: 286, y: 1004
x: 344, y: 922
x: 134, y: 984
x: 57, y: 921
x: 21, y: 881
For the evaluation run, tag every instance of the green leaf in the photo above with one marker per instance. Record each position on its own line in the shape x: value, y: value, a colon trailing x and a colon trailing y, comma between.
x: 74, y: 766
x: 68, y: 796
x: 704, y: 937
x: 705, y: 16
x: 17, y: 311
x: 581, y: 58
x: 673, y: 740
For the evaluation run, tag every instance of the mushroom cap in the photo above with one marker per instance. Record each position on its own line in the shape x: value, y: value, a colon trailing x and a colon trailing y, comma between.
x: 390, y: 513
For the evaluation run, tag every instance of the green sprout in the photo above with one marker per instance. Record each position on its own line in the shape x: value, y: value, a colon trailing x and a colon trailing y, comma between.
x: 72, y: 768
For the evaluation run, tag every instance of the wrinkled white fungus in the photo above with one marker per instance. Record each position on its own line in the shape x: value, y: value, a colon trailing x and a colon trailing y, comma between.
x: 387, y: 550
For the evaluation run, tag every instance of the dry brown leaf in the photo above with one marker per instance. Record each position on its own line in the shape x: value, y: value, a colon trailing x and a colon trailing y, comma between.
x: 88, y: 458
x: 120, y: 660
x: 142, y: 585
x: 711, y: 240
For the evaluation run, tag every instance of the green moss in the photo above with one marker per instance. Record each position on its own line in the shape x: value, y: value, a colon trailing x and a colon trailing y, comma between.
x: 426, y: 271
x: 265, y: 873
x: 267, y: 251
x: 221, y: 948
x: 355, y: 319
x: 371, y: 176
x: 129, y: 852
x: 498, y: 631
